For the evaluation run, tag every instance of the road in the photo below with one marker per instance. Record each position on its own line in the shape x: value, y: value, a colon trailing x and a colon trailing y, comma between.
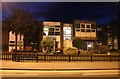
x: 79, y: 70
x: 60, y: 73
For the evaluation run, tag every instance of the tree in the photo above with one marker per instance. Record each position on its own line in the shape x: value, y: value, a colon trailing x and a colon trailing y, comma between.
x: 47, y: 44
x: 20, y: 22
x: 115, y: 26
x: 79, y: 43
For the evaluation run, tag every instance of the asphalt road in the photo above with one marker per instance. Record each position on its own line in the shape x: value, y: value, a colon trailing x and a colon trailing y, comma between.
x: 60, y: 73
x: 85, y: 70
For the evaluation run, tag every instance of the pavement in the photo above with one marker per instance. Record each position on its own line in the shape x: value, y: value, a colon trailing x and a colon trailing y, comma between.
x: 83, y: 65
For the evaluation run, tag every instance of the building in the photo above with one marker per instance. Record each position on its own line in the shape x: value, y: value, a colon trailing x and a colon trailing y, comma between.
x: 102, y: 34
x: 67, y: 35
x: 63, y: 33
x: 112, y: 39
x: 20, y: 43
x: 86, y: 30
x: 54, y: 30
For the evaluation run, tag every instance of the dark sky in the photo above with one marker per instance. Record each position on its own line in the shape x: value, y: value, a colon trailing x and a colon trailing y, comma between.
x: 66, y: 11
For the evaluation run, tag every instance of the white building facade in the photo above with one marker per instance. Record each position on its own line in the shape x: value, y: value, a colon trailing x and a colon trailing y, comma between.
x: 20, y: 43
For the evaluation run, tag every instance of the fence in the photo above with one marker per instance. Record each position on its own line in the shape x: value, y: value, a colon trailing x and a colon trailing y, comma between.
x: 31, y: 56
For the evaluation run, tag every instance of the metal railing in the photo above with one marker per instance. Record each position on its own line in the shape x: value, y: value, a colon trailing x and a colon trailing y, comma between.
x: 31, y: 56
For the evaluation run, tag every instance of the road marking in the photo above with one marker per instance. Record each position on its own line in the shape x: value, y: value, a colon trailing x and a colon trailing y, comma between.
x: 101, y: 74
x: 60, y: 71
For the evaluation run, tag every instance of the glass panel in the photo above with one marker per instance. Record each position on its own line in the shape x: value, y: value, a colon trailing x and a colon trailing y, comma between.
x: 87, y: 30
x: 93, y: 30
x: 77, y: 25
x: 64, y: 28
x: 87, y: 26
x: 82, y: 30
x: 44, y: 34
x: 57, y: 26
x: 51, y: 29
x: 12, y: 41
x: 83, y: 25
x: 51, y: 33
x: 57, y: 29
x: 77, y: 29
x: 51, y: 26
x: 92, y: 26
x: 45, y: 29
x: 68, y: 31
x: 57, y: 33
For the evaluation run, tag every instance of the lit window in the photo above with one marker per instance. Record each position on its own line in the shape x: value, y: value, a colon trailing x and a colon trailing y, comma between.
x: 45, y: 29
x: 67, y: 33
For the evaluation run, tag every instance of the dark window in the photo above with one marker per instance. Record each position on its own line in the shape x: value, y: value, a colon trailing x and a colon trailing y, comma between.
x: 77, y: 25
x: 87, y: 30
x: 57, y: 26
x: 88, y: 26
x: 51, y: 29
x: 83, y: 25
x: 93, y: 30
x: 77, y: 30
x: 11, y: 44
x: 92, y: 26
x: 12, y: 41
x: 44, y: 34
x: 82, y: 30
x: 57, y: 33
x: 57, y: 29
x: 51, y: 33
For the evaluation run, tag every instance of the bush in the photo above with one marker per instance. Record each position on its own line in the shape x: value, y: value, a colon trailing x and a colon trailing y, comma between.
x: 103, y: 49
x: 47, y: 44
x: 70, y: 51
x: 79, y: 43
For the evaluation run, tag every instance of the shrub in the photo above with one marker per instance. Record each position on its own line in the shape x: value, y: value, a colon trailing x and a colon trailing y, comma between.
x: 70, y: 51
x: 47, y: 44
x: 79, y: 43
x: 103, y: 49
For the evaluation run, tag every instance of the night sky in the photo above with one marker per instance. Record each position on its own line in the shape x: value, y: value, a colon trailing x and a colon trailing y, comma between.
x: 66, y: 11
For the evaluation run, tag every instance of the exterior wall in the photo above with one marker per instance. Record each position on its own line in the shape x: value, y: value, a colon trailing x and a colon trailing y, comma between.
x: 85, y: 30
x: 67, y: 35
x: 53, y: 30
x: 12, y: 42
